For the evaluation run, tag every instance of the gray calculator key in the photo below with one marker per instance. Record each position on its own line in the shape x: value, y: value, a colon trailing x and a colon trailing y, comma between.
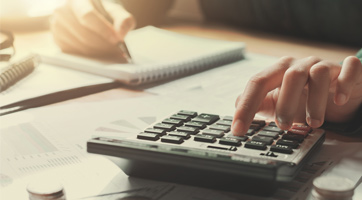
x: 205, y: 138
x: 228, y: 118
x: 148, y: 136
x: 198, y: 125
x: 291, y: 143
x: 220, y: 127
x: 206, y: 118
x: 272, y: 134
x: 230, y: 141
x: 255, y: 145
x: 166, y: 127
x: 281, y: 149
x: 266, y: 140
x: 183, y: 135
x: 176, y: 122
x: 186, y: 129
x: 172, y: 139
x: 224, y: 122
x: 156, y: 131
x: 187, y: 113
x: 215, y: 133
x: 183, y: 118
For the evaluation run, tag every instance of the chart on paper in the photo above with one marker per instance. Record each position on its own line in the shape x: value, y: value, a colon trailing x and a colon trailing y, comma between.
x: 25, y: 150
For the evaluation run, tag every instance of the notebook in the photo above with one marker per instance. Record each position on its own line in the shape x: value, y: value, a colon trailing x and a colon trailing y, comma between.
x: 13, y: 72
x: 157, y: 55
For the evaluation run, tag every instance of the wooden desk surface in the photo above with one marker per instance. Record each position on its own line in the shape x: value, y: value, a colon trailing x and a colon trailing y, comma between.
x: 256, y: 42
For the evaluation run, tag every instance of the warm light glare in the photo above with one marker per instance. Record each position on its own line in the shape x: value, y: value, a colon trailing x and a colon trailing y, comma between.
x: 27, y: 8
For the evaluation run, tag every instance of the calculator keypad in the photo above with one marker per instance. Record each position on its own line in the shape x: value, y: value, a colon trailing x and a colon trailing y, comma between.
x: 189, y: 126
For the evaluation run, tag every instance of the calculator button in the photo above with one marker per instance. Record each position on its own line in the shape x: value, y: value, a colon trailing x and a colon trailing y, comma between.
x: 273, y: 124
x: 255, y: 127
x: 230, y: 141
x: 266, y: 140
x: 148, y: 136
x: 198, y: 125
x: 242, y: 138
x: 228, y: 118
x: 206, y: 118
x: 224, y: 122
x: 220, y: 127
x: 183, y: 118
x: 281, y: 149
x: 274, y: 135
x: 205, y: 138
x: 166, y: 127
x: 255, y: 145
x: 260, y: 122
x: 183, y: 135
x: 274, y: 129
x: 291, y: 143
x: 172, y: 139
x: 176, y: 122
x: 298, y: 132
x: 298, y: 138
x: 215, y: 133
x: 186, y: 129
x: 250, y: 132
x: 187, y: 113
x: 156, y: 131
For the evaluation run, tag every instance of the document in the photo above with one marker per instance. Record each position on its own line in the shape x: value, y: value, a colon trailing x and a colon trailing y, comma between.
x: 46, y: 79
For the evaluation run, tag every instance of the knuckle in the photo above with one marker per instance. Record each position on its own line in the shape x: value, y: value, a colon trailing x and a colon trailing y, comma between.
x: 353, y: 61
x: 258, y: 80
x: 321, y: 68
x: 296, y: 73
x: 313, y: 59
x: 285, y: 60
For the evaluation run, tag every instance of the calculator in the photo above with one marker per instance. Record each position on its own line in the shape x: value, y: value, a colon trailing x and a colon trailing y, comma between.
x: 199, y: 149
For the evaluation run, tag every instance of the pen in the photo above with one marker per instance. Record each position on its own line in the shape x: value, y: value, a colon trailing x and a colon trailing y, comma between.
x: 122, y: 45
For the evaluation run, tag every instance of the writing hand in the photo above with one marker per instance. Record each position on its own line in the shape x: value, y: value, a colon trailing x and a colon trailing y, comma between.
x: 301, y: 90
x: 79, y: 28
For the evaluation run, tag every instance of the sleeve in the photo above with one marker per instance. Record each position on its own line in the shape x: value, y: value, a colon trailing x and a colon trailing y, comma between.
x: 352, y: 127
x: 147, y: 12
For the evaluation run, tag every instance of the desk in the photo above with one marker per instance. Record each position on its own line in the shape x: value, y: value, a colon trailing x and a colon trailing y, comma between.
x: 257, y: 42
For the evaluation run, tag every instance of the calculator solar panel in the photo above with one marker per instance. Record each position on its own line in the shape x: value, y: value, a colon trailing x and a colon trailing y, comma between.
x: 199, y: 149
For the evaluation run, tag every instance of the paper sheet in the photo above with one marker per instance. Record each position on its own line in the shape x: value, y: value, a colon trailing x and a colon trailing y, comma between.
x: 46, y: 79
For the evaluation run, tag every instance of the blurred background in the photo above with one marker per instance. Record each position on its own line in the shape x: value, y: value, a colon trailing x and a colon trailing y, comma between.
x: 23, y: 15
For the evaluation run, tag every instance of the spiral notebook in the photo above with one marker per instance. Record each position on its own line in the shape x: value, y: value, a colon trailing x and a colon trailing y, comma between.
x: 158, y: 55
x: 15, y: 71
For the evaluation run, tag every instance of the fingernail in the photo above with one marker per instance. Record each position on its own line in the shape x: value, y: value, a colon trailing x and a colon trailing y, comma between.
x: 237, y: 127
x: 341, y: 99
x: 315, y: 123
x: 283, y: 124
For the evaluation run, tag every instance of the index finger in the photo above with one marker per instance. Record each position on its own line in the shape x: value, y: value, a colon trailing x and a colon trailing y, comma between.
x: 255, y: 92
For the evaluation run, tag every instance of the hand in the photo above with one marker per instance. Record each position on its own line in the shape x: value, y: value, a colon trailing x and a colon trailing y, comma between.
x: 79, y: 28
x: 306, y: 90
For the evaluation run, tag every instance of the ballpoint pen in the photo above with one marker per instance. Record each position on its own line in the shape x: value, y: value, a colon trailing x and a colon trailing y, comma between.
x: 122, y: 45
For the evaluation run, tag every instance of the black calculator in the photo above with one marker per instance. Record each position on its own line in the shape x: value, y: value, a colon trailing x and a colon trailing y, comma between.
x: 200, y: 150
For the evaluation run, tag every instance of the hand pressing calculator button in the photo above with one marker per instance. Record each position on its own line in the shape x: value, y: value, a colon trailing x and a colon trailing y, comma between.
x: 199, y: 149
